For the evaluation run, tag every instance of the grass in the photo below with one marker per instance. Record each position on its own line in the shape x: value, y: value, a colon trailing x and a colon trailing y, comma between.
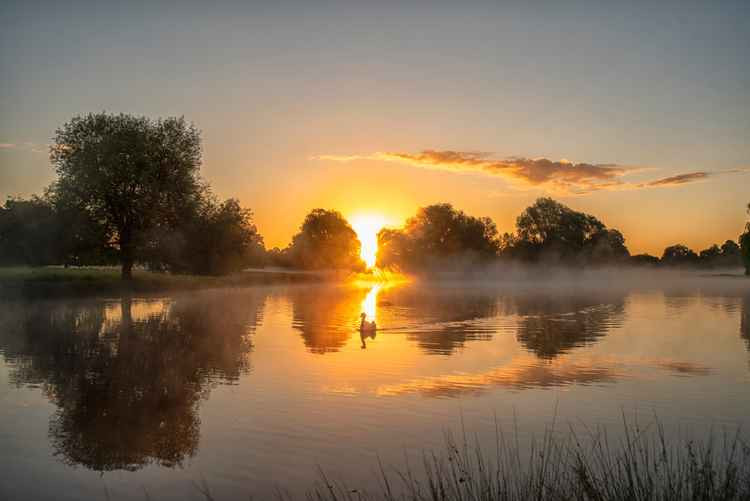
x: 641, y: 466
x: 53, y: 280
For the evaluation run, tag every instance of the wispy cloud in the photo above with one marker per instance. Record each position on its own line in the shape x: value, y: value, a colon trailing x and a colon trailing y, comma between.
x: 25, y: 146
x: 555, y: 175
x: 690, y: 177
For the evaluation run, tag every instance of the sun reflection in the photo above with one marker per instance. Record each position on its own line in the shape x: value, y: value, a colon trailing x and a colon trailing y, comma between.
x: 369, y: 303
x: 367, y: 227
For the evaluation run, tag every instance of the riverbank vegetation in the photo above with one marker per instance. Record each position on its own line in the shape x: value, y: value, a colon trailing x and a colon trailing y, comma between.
x: 128, y: 192
x: 643, y: 465
x: 97, y: 280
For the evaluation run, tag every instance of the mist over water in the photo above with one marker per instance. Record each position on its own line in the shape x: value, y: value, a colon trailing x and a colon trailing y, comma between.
x: 255, y: 388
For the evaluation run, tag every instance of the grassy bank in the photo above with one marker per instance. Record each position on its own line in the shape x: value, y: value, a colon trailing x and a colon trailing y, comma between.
x: 644, y: 465
x: 51, y: 281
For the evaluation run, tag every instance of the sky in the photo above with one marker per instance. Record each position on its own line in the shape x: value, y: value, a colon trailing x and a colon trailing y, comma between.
x: 636, y: 112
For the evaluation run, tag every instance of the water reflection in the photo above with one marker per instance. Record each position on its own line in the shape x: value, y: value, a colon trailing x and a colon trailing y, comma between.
x: 524, y: 374
x: 553, y: 325
x: 326, y: 316
x: 370, y: 303
x: 745, y: 322
x: 127, y: 386
x: 439, y: 320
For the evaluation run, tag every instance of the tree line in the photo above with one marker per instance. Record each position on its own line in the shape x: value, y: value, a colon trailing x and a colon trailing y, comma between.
x: 547, y: 232
x: 129, y: 192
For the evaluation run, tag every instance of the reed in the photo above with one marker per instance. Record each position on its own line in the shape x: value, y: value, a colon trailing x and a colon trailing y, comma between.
x: 642, y: 465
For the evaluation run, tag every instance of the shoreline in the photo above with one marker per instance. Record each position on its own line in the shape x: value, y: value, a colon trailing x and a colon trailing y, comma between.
x: 28, y: 282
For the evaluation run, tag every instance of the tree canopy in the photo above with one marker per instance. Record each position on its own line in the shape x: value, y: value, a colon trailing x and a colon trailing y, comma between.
x: 325, y: 241
x: 551, y: 231
x: 439, y: 235
x: 745, y: 245
x: 133, y: 174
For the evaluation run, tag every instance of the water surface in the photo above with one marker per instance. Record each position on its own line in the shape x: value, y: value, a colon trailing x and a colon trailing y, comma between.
x: 254, y: 389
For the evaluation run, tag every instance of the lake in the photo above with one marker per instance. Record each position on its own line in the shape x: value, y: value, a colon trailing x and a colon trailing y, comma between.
x: 255, y: 389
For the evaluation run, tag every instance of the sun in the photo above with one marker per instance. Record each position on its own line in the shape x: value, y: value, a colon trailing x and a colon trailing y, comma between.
x: 367, y: 227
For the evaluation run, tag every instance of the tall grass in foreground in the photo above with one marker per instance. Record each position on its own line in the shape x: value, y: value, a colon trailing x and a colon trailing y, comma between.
x: 640, y: 466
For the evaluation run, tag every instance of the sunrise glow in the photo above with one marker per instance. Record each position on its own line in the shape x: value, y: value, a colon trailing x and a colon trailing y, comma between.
x: 367, y: 227
x: 369, y: 303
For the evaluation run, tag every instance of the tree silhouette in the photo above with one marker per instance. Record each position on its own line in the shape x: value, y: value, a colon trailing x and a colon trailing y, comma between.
x: 438, y: 236
x: 131, y: 173
x: 552, y: 232
x: 325, y: 241
x: 744, y: 241
x: 679, y: 255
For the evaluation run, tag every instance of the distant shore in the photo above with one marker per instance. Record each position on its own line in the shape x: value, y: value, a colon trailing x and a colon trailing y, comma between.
x: 58, y: 280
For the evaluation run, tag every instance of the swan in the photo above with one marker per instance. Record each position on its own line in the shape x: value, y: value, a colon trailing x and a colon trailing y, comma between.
x: 365, y: 326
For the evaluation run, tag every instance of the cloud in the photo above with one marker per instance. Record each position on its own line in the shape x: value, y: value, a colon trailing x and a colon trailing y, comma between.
x: 26, y: 146
x: 561, y: 176
x: 690, y: 177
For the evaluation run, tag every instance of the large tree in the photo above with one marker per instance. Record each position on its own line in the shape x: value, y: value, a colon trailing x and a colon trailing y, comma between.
x: 437, y: 236
x: 549, y: 230
x: 679, y: 255
x: 325, y: 241
x: 130, y: 173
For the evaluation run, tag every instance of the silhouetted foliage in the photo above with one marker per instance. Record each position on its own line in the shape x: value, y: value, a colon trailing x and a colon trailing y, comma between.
x: 45, y: 230
x: 29, y: 232
x: 552, y: 232
x: 213, y: 239
x: 133, y: 174
x: 325, y: 241
x: 438, y: 236
x: 679, y: 255
x: 643, y: 260
x: 745, y: 245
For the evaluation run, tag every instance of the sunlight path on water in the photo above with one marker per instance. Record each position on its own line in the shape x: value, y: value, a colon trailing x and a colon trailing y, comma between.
x: 369, y: 303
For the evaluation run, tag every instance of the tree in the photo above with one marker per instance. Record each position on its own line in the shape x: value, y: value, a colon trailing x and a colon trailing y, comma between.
x: 744, y: 241
x: 223, y: 239
x: 29, y: 233
x: 325, y: 241
x: 710, y: 256
x: 549, y: 230
x: 679, y: 255
x: 644, y: 260
x: 132, y: 174
x: 45, y: 230
x: 438, y: 235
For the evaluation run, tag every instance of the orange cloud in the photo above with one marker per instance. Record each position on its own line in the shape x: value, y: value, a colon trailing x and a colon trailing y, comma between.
x: 560, y: 176
x: 690, y: 177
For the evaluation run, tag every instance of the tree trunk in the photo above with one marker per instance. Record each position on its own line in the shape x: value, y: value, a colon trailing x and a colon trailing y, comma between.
x: 126, y: 254
x: 127, y: 268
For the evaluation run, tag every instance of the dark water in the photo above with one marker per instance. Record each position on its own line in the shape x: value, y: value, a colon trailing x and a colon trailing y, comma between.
x: 254, y: 389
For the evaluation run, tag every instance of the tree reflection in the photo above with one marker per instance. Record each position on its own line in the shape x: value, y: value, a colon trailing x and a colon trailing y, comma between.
x: 745, y: 320
x: 554, y: 324
x: 127, y: 386
x: 447, y: 317
x: 326, y: 316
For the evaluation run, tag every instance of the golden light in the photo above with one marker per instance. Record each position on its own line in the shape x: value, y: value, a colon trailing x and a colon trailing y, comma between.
x: 367, y: 227
x: 369, y: 303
